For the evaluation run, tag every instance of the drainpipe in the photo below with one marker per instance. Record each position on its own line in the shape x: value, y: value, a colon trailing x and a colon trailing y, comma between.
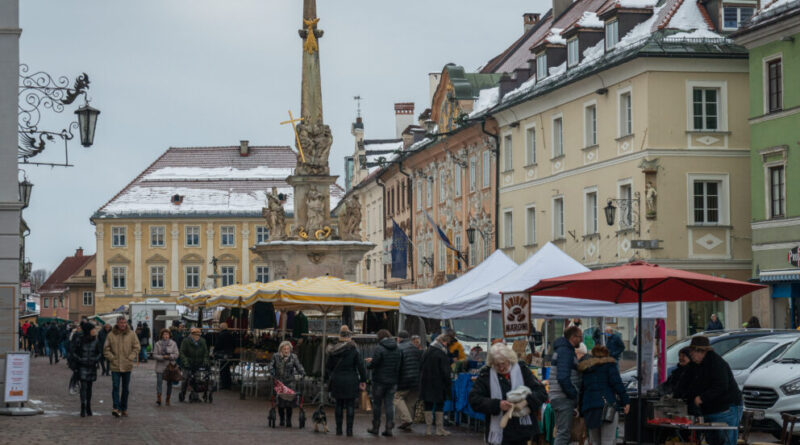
x: 410, y: 212
x: 496, y: 151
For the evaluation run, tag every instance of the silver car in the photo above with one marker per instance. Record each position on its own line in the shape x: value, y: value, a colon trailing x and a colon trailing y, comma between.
x: 752, y: 354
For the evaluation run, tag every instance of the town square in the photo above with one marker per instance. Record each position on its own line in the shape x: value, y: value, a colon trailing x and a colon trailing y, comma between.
x: 523, y: 222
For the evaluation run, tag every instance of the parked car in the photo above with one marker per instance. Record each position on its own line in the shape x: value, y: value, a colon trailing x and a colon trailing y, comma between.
x: 722, y: 341
x: 774, y: 389
x: 752, y: 354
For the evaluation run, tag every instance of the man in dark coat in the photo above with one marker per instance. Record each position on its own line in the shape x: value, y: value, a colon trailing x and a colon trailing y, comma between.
x: 435, y: 383
x: 385, y: 366
x: 53, y: 337
x: 714, y: 324
x: 409, y: 379
x: 564, y: 387
x: 712, y: 388
x: 101, y: 337
x: 614, y: 344
x: 224, y: 348
x: 32, y: 335
x: 348, y: 378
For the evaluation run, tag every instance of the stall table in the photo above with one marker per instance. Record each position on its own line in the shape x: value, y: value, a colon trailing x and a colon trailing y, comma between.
x: 691, y: 429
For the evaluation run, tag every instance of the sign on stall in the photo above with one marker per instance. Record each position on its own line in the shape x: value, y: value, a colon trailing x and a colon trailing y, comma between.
x: 17, y: 373
x: 516, y: 314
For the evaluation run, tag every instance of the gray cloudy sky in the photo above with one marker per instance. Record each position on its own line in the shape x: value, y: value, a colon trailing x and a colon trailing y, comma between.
x: 211, y: 72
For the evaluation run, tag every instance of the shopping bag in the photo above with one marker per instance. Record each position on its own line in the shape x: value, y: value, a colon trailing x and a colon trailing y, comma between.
x: 366, y: 405
x: 172, y: 373
x: 578, y: 432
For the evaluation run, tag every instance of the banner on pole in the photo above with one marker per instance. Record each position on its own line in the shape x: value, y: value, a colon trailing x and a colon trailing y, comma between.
x: 516, y: 314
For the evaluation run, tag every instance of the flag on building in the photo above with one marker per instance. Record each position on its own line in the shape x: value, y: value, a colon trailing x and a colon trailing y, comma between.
x: 399, y: 251
x: 443, y: 236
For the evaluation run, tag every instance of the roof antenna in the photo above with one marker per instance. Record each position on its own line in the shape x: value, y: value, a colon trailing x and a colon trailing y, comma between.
x: 358, y: 105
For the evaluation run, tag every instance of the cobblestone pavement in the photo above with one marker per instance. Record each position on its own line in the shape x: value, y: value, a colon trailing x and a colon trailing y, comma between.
x: 228, y: 420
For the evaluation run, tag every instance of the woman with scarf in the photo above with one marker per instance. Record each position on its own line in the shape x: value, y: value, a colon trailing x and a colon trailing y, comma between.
x: 348, y: 378
x: 85, y: 353
x: 502, y: 374
x: 286, y: 368
x: 166, y: 353
x: 601, y: 386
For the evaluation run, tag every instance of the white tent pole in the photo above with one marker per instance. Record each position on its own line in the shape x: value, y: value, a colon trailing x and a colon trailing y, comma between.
x: 324, y: 354
x: 602, y: 328
x: 489, y: 334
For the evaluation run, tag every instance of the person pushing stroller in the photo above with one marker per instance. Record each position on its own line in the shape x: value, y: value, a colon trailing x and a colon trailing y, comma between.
x: 194, y: 355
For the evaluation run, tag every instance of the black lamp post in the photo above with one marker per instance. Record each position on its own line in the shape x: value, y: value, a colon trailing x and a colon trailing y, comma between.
x: 25, y: 188
x: 87, y: 121
x: 471, y: 235
x: 610, y: 210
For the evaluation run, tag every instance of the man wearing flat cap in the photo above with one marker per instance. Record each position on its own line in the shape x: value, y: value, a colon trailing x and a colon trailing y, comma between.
x: 712, y: 389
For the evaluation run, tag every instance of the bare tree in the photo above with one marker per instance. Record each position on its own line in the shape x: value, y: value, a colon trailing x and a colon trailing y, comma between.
x: 38, y: 277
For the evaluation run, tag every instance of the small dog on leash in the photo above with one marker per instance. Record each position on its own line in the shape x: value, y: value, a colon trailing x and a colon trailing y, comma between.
x: 271, y: 417
x: 320, y: 421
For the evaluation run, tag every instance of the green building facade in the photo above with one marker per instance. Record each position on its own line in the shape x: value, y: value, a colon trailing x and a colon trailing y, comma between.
x: 773, y: 40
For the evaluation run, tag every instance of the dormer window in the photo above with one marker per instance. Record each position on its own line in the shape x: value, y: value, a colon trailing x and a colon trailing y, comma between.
x: 733, y: 17
x: 612, y: 34
x: 541, y: 66
x: 573, y: 56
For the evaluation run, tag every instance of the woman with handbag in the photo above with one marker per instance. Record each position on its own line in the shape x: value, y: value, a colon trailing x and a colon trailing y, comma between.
x: 348, y: 377
x: 166, y: 352
x: 602, y: 395
x: 286, y: 367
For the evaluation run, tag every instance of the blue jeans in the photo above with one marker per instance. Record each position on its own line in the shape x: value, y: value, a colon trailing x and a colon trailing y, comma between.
x: 732, y: 416
x: 383, y: 397
x: 120, y: 402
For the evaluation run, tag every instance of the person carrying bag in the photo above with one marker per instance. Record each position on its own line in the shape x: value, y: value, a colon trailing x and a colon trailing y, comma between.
x: 166, y: 352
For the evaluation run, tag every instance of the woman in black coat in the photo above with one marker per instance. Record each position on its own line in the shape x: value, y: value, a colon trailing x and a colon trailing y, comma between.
x: 601, y: 385
x: 348, y: 377
x: 435, y: 383
x: 489, y: 396
x: 85, y: 352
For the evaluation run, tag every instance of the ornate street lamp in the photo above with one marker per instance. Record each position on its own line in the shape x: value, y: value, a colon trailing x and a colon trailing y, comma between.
x: 471, y: 235
x: 610, y: 210
x: 87, y: 121
x: 25, y: 188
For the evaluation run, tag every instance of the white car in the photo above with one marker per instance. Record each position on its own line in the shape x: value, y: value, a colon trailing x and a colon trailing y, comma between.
x: 752, y: 354
x: 773, y: 389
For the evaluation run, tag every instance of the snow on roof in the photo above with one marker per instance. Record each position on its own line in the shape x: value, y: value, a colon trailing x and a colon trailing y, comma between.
x: 383, y: 144
x: 487, y: 98
x: 590, y: 20
x: 380, y: 158
x: 157, y: 200
x: 637, y: 4
x: 209, y: 173
x: 555, y: 37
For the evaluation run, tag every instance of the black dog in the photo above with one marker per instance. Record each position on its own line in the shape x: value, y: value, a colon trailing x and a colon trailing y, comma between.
x: 271, y: 417
x: 320, y: 421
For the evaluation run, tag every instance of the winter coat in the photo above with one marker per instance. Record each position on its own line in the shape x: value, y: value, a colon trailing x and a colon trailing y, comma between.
x: 385, y: 364
x: 32, y: 333
x: 601, y: 383
x: 615, y: 346
x: 84, y: 354
x: 411, y: 360
x: 121, y: 349
x: 480, y: 399
x: 286, y: 368
x: 435, y: 381
x: 714, y: 326
x: 193, y: 355
x: 102, y: 334
x: 162, y: 348
x: 713, y: 381
x: 224, y: 343
x: 345, y: 368
x: 564, y: 365
x: 670, y: 386
x: 52, y: 335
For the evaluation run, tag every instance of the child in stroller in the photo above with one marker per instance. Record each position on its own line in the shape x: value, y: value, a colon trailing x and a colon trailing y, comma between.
x: 200, y: 383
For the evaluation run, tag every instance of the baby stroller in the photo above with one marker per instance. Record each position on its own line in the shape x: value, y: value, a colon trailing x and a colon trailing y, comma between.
x: 200, y: 385
x: 285, y: 399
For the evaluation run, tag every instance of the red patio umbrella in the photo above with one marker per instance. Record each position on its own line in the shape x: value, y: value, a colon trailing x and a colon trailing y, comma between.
x: 638, y: 282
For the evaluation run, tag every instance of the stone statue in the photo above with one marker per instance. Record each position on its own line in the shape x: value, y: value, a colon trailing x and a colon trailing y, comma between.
x: 351, y: 220
x: 275, y: 215
x: 315, y: 210
x: 315, y: 140
x: 650, y: 195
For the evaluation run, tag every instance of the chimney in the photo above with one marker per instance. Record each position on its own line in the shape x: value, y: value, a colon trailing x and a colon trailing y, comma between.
x: 403, y: 117
x: 79, y: 251
x: 506, y: 84
x: 529, y: 19
x: 559, y: 6
x: 244, y: 148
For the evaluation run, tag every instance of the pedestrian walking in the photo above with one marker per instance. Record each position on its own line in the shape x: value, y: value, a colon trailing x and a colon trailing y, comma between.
x: 435, y: 383
x: 121, y: 350
x: 85, y: 353
x: 490, y: 395
x: 224, y: 347
x: 564, y: 387
x: 41, y: 339
x: 64, y: 339
x: 32, y: 334
x: 53, y: 338
x: 193, y: 355
x: 286, y: 367
x: 601, y: 390
x: 348, y: 378
x: 102, y: 335
x: 408, y: 384
x: 166, y: 353
x: 385, y: 366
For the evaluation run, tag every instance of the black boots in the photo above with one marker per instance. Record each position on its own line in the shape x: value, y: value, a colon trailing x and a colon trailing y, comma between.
x: 388, y: 431
x: 376, y: 428
x: 288, y: 417
x: 83, y: 408
x: 350, y: 418
x: 339, y: 419
x: 283, y: 417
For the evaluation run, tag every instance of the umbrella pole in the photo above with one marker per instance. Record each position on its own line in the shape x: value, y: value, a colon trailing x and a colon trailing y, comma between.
x: 324, y: 356
x: 489, y: 334
x: 639, y: 372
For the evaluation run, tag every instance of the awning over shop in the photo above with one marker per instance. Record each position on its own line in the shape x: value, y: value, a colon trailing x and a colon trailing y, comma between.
x: 771, y: 276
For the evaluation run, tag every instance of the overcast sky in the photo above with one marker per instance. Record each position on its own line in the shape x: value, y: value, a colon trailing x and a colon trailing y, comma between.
x: 212, y: 72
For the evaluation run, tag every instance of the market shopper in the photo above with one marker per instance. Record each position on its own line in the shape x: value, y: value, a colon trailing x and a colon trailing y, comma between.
x: 193, y: 355
x: 348, y: 377
x: 102, y: 335
x: 455, y: 349
x: 714, y: 324
x: 408, y: 384
x: 385, y: 366
x: 503, y: 373
x: 712, y: 388
x: 286, y: 367
x: 165, y: 353
x: 121, y: 350
x: 614, y: 344
x: 224, y: 347
x: 564, y: 387
x: 435, y: 383
x: 671, y: 386
x: 53, y: 338
x: 601, y: 385
x: 85, y: 352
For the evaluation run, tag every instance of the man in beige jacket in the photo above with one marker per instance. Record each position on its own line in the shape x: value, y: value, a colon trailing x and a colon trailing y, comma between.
x: 121, y: 349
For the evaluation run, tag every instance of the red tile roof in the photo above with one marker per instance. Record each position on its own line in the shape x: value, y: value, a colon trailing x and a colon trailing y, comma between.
x: 68, y: 267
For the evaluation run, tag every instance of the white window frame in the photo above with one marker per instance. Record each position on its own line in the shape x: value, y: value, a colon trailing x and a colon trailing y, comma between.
x: 722, y: 103
x: 472, y: 253
x: 46, y: 302
x: 230, y: 235
x: 530, y: 224
x: 738, y: 8
x: 473, y: 174
x: 262, y: 234
x: 119, y: 277
x: 768, y: 190
x: 611, y: 29
x: 558, y: 136
x: 508, y: 152
x: 429, y: 192
x: 541, y: 66
x: 590, y: 124
x: 624, y: 116
x: 186, y: 234
x: 573, y: 52
x: 559, y: 231
x: 765, y: 81
x: 591, y: 225
x: 724, y: 197
x: 442, y: 185
x: 262, y: 273
x: 442, y: 263
x: 194, y: 274
x: 508, y: 228
x: 88, y: 298
x: 155, y: 273
x: 119, y: 236
x: 155, y: 235
x: 458, y: 181
x: 486, y: 168
x: 227, y: 275
x: 530, y: 145
x: 622, y: 185
x: 419, y: 194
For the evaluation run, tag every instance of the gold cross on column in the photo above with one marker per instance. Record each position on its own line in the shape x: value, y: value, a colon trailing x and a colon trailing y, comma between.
x: 292, y: 121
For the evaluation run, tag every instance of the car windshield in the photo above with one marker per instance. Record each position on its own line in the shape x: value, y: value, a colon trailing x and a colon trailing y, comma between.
x: 744, y: 355
x: 792, y: 353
